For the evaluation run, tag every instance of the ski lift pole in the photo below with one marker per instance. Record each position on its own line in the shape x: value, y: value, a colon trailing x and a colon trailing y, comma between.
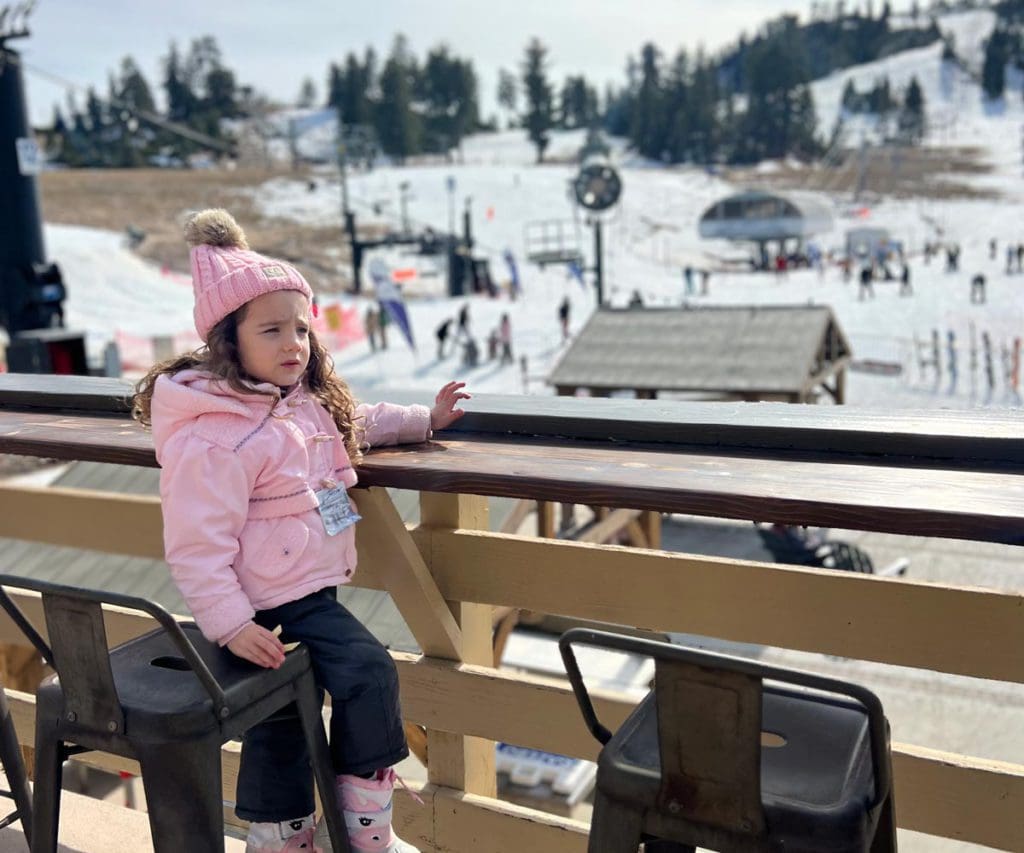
x: 598, y: 261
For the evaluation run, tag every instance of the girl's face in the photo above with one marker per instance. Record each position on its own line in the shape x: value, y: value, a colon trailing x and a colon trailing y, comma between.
x: 273, y: 337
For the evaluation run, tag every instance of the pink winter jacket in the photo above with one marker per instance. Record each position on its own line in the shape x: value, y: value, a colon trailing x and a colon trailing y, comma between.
x: 242, y: 531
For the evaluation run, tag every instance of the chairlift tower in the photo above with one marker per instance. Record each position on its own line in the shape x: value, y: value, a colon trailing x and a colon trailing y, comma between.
x: 31, y: 290
x: 597, y: 188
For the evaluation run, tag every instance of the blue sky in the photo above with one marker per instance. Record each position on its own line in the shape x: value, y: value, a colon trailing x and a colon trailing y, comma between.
x: 274, y: 44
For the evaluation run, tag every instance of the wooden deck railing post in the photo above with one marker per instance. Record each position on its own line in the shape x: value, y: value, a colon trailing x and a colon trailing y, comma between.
x: 458, y: 761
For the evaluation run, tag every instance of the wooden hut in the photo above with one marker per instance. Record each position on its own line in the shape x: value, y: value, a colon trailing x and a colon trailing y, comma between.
x: 779, y: 353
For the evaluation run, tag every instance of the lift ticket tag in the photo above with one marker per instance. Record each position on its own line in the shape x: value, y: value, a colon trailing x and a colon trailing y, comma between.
x: 336, y: 510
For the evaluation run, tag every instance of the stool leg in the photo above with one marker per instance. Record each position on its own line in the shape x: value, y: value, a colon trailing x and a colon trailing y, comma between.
x: 49, y: 758
x: 884, y: 840
x: 614, y: 828
x: 183, y: 794
x: 14, y: 767
x: 307, y: 700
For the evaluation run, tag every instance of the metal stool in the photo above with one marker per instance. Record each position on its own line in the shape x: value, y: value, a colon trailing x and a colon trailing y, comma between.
x: 14, y: 770
x: 169, y: 699
x: 715, y: 758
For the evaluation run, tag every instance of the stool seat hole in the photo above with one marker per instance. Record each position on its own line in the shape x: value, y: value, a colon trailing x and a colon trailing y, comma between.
x: 772, y: 740
x: 171, y: 662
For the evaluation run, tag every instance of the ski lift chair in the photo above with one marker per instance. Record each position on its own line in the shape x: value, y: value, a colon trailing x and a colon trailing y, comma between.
x: 168, y: 699
x: 732, y: 755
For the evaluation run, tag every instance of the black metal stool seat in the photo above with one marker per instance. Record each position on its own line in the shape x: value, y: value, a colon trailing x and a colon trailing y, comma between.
x: 162, y: 699
x: 168, y: 699
x: 690, y: 766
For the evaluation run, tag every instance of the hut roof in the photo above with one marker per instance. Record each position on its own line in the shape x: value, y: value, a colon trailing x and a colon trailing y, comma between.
x: 742, y: 350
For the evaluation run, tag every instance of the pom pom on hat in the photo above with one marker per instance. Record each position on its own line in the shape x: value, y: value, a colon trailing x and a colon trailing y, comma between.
x: 214, y: 227
x: 226, y: 273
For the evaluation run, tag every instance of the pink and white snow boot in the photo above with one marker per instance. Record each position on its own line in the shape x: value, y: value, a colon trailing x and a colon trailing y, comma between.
x: 366, y: 804
x: 287, y: 836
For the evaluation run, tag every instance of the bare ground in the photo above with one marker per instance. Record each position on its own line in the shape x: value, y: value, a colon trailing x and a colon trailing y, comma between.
x: 158, y: 200
x: 893, y: 172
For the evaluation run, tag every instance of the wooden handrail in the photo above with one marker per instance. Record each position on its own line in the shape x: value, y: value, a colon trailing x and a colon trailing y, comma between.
x: 914, y: 438
x: 929, y: 501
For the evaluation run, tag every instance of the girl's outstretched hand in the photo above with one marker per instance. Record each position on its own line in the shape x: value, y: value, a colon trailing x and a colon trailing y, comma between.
x: 444, y: 413
x: 256, y: 644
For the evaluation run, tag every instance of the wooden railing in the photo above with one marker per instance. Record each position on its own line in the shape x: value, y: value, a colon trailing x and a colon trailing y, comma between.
x: 951, y: 475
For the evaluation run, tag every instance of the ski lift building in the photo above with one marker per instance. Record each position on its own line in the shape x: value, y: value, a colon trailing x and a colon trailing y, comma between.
x: 762, y: 217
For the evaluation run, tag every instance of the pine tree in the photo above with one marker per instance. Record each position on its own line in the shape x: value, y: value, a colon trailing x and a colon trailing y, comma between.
x: 705, y: 96
x: 335, y: 86
x: 993, y: 71
x: 133, y: 90
x: 678, y: 133
x: 912, y: 121
x: 647, y: 129
x: 508, y: 94
x: 447, y: 89
x: 180, y: 98
x: 539, y: 117
x: 851, y: 100
x: 780, y: 110
x: 577, y: 103
x: 397, y: 126
x: 307, y: 94
x: 359, y: 78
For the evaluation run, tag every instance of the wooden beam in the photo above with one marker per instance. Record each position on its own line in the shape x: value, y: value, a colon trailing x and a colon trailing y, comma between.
x: 99, y: 521
x: 610, y: 525
x: 519, y: 513
x: 546, y: 519
x: 651, y: 522
x: 400, y: 566
x: 637, y: 535
x: 457, y: 761
x: 933, y: 788
x: 890, y: 620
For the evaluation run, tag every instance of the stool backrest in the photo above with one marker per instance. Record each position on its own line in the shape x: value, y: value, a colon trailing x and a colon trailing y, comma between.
x: 715, y: 685
x: 78, y: 639
x: 709, y: 736
x: 74, y: 621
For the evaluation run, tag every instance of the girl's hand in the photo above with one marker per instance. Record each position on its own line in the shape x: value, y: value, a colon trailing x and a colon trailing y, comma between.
x: 256, y: 644
x: 444, y: 413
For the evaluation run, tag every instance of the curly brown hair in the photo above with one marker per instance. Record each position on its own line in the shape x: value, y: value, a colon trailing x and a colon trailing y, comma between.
x: 220, y: 357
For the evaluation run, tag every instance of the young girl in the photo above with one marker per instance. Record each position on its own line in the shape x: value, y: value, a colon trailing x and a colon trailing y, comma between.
x: 258, y: 439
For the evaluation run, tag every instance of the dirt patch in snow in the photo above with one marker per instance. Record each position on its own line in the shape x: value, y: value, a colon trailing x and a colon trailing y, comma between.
x: 156, y: 202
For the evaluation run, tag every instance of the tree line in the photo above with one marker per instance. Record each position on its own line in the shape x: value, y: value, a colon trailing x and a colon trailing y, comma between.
x: 1004, y: 48
x: 750, y: 102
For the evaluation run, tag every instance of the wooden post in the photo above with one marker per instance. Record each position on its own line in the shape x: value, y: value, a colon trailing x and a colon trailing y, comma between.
x: 457, y: 761
x: 545, y: 519
x: 651, y: 523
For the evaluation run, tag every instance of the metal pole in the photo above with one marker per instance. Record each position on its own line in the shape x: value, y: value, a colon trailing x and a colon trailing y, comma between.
x: 451, y: 207
x: 403, y: 200
x: 341, y: 166
x: 598, y: 263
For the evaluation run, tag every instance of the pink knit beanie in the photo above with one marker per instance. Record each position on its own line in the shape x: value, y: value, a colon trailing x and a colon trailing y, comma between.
x: 226, y: 273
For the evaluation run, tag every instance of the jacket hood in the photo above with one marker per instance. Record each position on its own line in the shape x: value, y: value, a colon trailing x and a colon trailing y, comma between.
x: 180, y: 399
